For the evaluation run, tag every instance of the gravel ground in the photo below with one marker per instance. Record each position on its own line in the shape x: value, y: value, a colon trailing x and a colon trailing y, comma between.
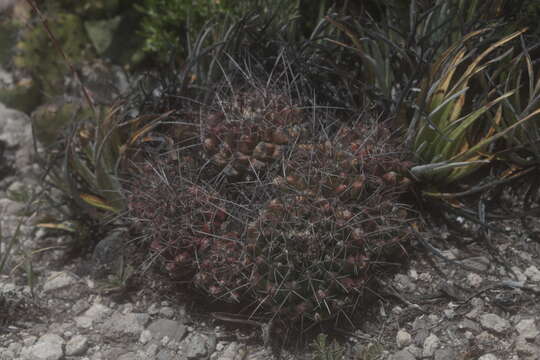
x: 468, y: 303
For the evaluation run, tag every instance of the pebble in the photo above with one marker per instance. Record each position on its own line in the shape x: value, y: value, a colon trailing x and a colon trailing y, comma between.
x: 527, y: 329
x: 403, y: 338
x: 494, y: 323
x: 533, y: 273
x: 431, y: 343
x: 77, y: 345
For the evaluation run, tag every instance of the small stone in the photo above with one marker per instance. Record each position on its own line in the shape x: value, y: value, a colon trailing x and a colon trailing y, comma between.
x: 521, y: 277
x: 153, y: 309
x: 167, y: 311
x: 196, y: 346
x: 527, y: 329
x: 58, y: 280
x: 431, y: 343
x: 474, y: 280
x: 403, y: 338
x: 494, y: 323
x: 479, y: 263
x: 167, y: 328
x: 131, y: 325
x: 486, y: 341
x: 48, y: 347
x: 152, y: 349
x: 449, y: 314
x: 402, y: 355
x: 94, y: 314
x: 533, y: 273
x: 467, y: 324
x: 77, y: 345
x: 425, y: 277
x: 525, y: 348
x: 404, y: 283
x: 445, y: 354
x: 29, y: 340
x: 488, y: 357
x: 231, y: 352
x: 145, y: 337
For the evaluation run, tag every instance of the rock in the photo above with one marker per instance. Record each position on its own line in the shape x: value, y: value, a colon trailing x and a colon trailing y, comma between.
x: 404, y: 283
x: 445, y: 354
x: 467, y: 324
x: 233, y: 351
x: 167, y: 311
x: 130, y: 325
x: 478, y: 308
x: 95, y: 314
x: 479, y: 263
x: 58, y: 280
x: 474, y: 280
x: 527, y: 329
x: 525, y: 348
x: 48, y: 347
x: 8, y: 206
x: 145, y: 337
x: 16, y: 132
x: 431, y: 343
x: 164, y: 327
x: 486, y: 341
x: 77, y: 345
x: 402, y: 355
x: 197, y: 345
x: 494, y: 323
x: 521, y: 277
x: 129, y: 356
x: 165, y: 354
x: 488, y: 357
x: 533, y: 273
x: 403, y: 338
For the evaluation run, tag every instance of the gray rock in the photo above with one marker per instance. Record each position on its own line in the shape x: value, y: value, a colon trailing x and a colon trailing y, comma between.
x: 404, y: 283
x: 445, y: 354
x: 8, y: 206
x: 525, y: 348
x: 486, y: 341
x: 93, y: 315
x: 533, y: 273
x: 233, y: 351
x: 130, y: 325
x: 48, y: 347
x: 403, y: 338
x: 145, y: 337
x: 129, y: 356
x: 77, y: 345
x: 479, y: 263
x: 197, y: 345
x: 478, y: 308
x: 467, y: 324
x: 58, y: 280
x: 488, y: 357
x: 474, y: 280
x: 15, y: 127
x: 494, y: 323
x: 402, y: 355
x: 165, y: 354
x: 163, y: 327
x: 527, y: 329
x: 167, y: 311
x: 431, y: 344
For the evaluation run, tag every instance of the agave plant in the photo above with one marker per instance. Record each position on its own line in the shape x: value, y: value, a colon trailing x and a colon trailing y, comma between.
x: 451, y: 129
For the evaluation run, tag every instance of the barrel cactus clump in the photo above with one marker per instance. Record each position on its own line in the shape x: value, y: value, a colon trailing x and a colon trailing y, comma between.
x: 289, y: 208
